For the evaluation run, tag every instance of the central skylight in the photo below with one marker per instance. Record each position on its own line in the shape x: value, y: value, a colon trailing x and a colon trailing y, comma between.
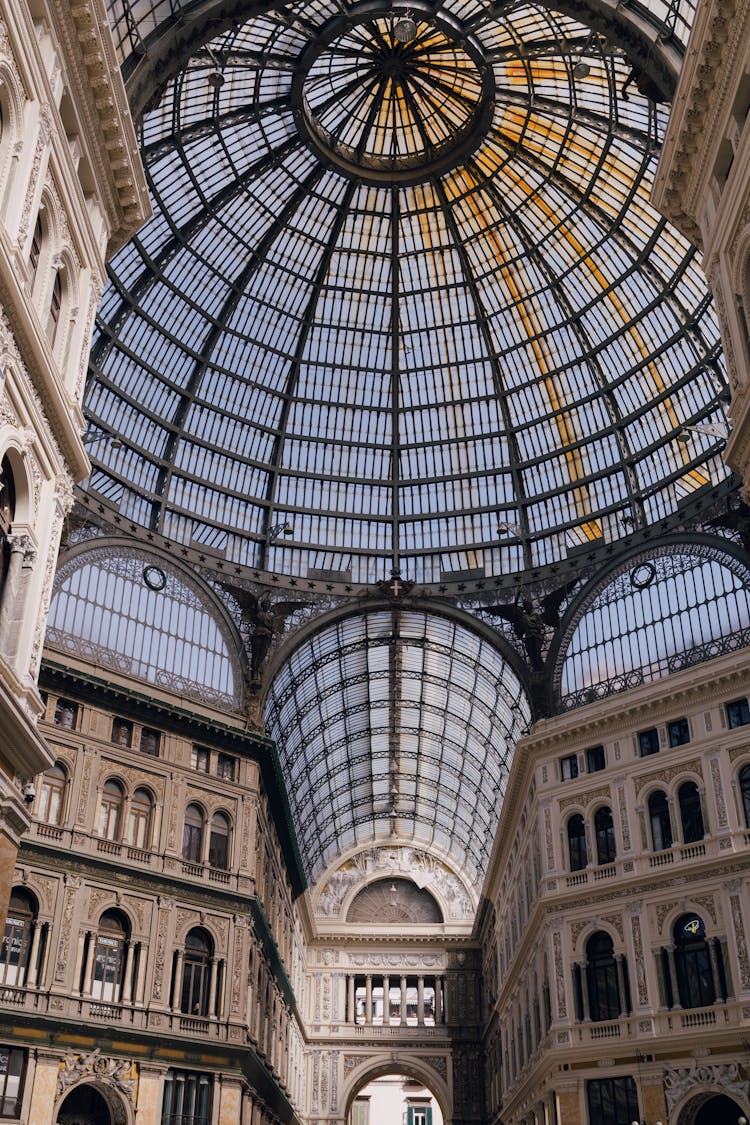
x: 477, y: 360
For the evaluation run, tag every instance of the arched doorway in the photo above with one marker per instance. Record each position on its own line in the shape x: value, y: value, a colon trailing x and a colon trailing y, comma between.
x: 84, y: 1106
x: 395, y: 1097
x: 711, y: 1109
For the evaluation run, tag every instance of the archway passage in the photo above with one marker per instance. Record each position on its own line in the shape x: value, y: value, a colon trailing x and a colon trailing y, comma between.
x: 711, y: 1109
x: 395, y: 1097
x: 84, y: 1106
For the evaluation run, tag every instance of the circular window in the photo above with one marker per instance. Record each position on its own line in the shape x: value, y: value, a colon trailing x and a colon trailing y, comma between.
x: 642, y: 575
x: 154, y: 577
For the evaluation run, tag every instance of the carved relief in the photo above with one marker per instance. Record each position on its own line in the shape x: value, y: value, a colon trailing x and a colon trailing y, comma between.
x: 740, y: 939
x: 334, y: 1081
x: 66, y: 926
x: 562, y: 1007
x: 351, y: 1062
x: 662, y: 910
x: 721, y: 808
x: 624, y: 822
x: 161, y: 950
x: 640, y: 971
x: 439, y: 1063
x: 615, y: 920
x: 585, y: 799
x: 708, y: 902
x: 724, y: 1078
x: 665, y: 776
x: 548, y: 839
x: 114, y: 1072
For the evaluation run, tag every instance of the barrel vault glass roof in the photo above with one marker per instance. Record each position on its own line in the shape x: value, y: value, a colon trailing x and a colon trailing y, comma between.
x: 411, y: 300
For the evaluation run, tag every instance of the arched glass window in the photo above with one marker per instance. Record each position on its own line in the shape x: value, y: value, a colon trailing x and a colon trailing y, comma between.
x: 605, y: 1002
x: 661, y: 825
x: 577, y: 843
x: 52, y: 795
x: 691, y: 814
x: 16, y: 943
x: 195, y: 973
x: 139, y: 829
x: 7, y: 513
x: 35, y: 252
x: 109, y: 957
x: 745, y: 791
x: 110, y: 810
x: 693, y: 963
x: 218, y: 844
x: 55, y: 306
x: 605, y: 836
x: 192, y: 835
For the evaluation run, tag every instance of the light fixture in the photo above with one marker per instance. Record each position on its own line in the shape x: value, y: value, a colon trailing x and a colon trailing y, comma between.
x: 215, y: 76
x: 405, y: 28
x: 503, y: 527
x: 581, y: 70
x: 278, y: 529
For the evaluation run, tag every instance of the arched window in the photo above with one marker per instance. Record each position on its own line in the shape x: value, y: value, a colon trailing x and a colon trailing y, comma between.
x: 109, y: 957
x: 139, y: 828
x: 52, y: 795
x: 661, y: 825
x: 35, y: 253
x: 605, y: 1001
x: 218, y: 844
x: 577, y: 843
x: 745, y: 791
x: 192, y: 835
x: 195, y: 973
x: 7, y: 513
x: 16, y: 943
x: 110, y: 810
x: 690, y: 812
x: 605, y: 836
x: 695, y: 977
x: 55, y: 306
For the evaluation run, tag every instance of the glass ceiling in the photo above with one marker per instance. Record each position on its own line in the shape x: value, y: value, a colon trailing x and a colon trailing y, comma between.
x: 407, y: 302
x: 396, y: 725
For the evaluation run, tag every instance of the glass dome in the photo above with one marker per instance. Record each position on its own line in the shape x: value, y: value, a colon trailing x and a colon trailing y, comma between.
x: 404, y: 305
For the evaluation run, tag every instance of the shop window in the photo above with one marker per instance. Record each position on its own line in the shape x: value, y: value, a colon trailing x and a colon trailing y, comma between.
x: 122, y: 732
x: 218, y: 844
x: 110, y: 810
x: 109, y: 957
x: 612, y: 1101
x: 577, y: 843
x: 66, y: 714
x: 195, y: 973
x: 225, y: 767
x: 141, y: 812
x: 648, y: 742
x: 569, y: 767
x: 187, y: 1098
x: 595, y: 759
x: 150, y: 742
x: 678, y: 732
x: 200, y: 758
x: 16, y: 942
x: 691, y: 814
x: 738, y: 713
x: 604, y: 830
x: 52, y: 795
x: 12, y: 1073
x: 192, y: 835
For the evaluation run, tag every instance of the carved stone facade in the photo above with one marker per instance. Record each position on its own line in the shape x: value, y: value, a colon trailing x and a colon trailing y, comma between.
x: 55, y: 232
x: 633, y: 891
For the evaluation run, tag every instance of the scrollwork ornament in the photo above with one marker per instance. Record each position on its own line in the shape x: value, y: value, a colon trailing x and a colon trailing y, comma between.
x: 724, y: 1078
x: 111, y: 1071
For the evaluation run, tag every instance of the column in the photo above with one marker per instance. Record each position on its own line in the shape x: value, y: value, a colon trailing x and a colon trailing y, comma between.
x: 46, y: 955
x: 87, y: 972
x: 620, y: 964
x: 177, y: 981
x: 715, y: 975
x: 386, y: 1001
x: 127, y: 984
x: 350, y: 999
x: 368, y: 998
x: 212, y: 987
x: 20, y: 565
x: 403, y: 1001
x: 79, y: 963
x: 141, y: 977
x: 439, y: 1012
x: 673, y: 977
x: 420, y: 1000
x: 584, y: 991
x: 33, y: 956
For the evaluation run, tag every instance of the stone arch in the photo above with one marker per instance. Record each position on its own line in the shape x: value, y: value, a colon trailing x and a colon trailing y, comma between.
x: 398, y: 1062
x: 712, y: 1105
x: 13, y: 449
x: 119, y: 1105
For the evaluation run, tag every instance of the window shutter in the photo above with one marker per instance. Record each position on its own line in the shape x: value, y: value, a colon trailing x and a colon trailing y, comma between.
x: 410, y: 1115
x: 428, y: 1115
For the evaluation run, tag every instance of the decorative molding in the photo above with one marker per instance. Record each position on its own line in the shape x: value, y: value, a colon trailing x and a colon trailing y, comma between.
x: 724, y: 1078
x: 111, y: 1071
